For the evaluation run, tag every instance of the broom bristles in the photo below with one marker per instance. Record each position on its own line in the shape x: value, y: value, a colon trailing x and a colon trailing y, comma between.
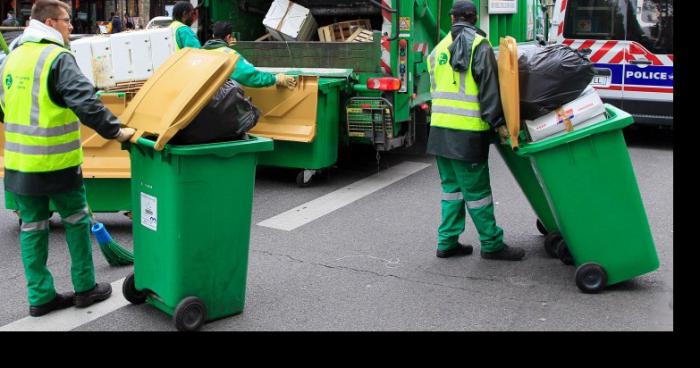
x: 114, y: 253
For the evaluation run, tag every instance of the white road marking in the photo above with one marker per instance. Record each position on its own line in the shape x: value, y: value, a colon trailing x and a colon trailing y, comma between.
x: 322, y: 206
x: 70, y: 318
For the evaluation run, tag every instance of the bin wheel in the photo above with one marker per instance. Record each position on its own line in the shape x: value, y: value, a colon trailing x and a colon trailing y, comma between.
x: 541, y: 228
x: 563, y: 252
x: 190, y: 314
x: 130, y: 293
x: 591, y: 278
x: 304, y: 178
x: 550, y: 243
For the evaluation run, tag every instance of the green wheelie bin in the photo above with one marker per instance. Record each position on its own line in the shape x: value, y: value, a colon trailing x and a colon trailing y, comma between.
x: 591, y: 188
x: 192, y: 204
x: 192, y: 216
x: 525, y: 176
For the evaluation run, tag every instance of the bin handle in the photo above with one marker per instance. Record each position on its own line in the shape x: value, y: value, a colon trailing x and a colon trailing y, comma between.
x: 144, y: 142
x: 137, y: 135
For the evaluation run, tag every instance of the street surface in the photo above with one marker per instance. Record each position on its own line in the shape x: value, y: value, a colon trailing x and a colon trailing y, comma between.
x: 365, y: 261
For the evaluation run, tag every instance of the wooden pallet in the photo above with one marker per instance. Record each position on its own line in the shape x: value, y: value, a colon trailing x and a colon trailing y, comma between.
x: 361, y: 35
x: 130, y: 88
x: 341, y: 31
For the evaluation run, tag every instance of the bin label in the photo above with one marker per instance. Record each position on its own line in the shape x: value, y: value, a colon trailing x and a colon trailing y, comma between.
x: 149, y: 211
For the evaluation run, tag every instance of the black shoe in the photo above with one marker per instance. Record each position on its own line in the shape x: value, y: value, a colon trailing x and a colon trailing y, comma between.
x: 100, y: 292
x: 61, y: 301
x: 460, y: 249
x: 505, y: 254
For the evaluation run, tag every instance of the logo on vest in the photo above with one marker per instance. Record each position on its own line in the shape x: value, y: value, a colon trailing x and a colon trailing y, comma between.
x: 442, y: 59
x: 8, y: 81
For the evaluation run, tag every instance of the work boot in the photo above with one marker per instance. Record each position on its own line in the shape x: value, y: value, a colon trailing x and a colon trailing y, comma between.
x: 460, y: 249
x: 61, y: 301
x: 100, y: 292
x: 505, y: 254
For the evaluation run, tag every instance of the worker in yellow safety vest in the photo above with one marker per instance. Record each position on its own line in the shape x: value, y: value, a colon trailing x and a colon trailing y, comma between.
x: 184, y: 15
x: 466, y: 111
x: 43, y: 98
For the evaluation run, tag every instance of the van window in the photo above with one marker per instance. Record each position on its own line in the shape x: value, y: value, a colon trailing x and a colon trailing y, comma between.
x: 595, y: 20
x: 650, y: 22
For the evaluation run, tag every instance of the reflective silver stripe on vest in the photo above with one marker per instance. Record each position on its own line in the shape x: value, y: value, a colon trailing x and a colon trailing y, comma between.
x: 36, y: 131
x: 463, y: 83
x: 456, y: 111
x: 433, y: 82
x: 36, y: 88
x: 42, y: 150
x: 35, y: 226
x: 454, y: 96
x: 452, y: 196
x: 75, y: 218
x: 480, y: 203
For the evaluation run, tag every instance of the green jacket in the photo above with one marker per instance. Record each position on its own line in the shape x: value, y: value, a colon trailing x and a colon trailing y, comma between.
x: 245, y: 72
x: 185, y: 37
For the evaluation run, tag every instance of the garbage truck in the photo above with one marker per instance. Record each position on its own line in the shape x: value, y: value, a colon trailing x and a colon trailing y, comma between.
x: 368, y: 93
x: 374, y: 93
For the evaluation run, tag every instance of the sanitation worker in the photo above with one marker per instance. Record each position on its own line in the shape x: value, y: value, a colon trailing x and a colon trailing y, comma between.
x: 43, y: 98
x: 466, y: 113
x: 245, y: 72
x: 183, y: 17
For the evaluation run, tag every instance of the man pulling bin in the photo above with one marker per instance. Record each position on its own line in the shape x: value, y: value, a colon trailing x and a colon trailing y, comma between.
x: 466, y: 109
x: 43, y: 99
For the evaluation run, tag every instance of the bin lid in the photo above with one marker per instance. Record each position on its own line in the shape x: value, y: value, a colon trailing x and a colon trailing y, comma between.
x: 287, y: 115
x: 178, y: 90
x: 509, y: 88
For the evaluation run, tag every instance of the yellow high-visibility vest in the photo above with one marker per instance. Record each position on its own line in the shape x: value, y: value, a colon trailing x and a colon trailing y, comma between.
x: 40, y: 136
x: 175, y: 25
x: 455, y: 96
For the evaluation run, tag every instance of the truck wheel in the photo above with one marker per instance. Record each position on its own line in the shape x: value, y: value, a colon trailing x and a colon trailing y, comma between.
x: 130, y: 293
x: 591, y: 278
x: 550, y: 243
x: 563, y: 252
x: 541, y: 228
x: 304, y: 178
x: 190, y: 314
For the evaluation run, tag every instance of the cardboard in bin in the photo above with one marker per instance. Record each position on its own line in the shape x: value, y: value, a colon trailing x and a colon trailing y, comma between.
x: 176, y: 93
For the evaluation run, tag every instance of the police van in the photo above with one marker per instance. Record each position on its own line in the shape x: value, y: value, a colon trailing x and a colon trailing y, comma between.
x: 631, y: 43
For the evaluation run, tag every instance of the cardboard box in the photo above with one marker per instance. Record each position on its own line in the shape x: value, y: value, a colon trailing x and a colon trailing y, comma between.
x: 586, y: 110
x: 288, y: 21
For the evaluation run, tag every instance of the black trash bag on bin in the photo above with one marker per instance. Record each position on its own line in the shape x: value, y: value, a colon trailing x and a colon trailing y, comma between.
x: 550, y: 77
x: 227, y: 117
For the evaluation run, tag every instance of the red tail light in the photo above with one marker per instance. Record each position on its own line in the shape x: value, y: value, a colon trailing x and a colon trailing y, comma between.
x: 384, y: 84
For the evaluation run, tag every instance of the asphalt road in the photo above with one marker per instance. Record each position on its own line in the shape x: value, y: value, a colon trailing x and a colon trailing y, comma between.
x: 371, y: 265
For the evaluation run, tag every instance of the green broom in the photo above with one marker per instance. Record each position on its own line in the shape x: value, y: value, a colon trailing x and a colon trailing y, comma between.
x: 115, y: 254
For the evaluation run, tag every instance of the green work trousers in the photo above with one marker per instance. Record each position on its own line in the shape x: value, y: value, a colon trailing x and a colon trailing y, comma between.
x: 465, y: 183
x: 34, y: 240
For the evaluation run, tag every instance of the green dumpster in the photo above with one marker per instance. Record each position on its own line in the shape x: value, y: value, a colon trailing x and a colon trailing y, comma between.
x: 590, y: 185
x: 192, y: 216
x: 304, y: 124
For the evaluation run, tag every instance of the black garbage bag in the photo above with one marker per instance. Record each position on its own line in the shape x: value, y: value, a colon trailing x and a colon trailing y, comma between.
x: 550, y: 77
x: 227, y: 117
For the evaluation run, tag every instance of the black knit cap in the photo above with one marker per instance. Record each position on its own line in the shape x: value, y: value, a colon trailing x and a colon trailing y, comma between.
x: 463, y: 8
x: 221, y: 29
